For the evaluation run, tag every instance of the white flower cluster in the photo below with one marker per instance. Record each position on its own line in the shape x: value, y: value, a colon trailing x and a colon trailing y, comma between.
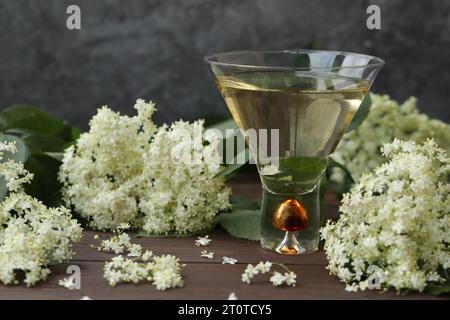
x: 32, y: 236
x: 120, y: 243
x: 163, y: 272
x: 394, y: 225
x: 125, y: 169
x: 289, y: 277
x: 359, y: 150
x: 14, y: 173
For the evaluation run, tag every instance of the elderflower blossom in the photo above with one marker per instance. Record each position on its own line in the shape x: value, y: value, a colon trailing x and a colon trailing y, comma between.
x: 232, y: 296
x: 163, y: 272
x: 264, y: 267
x: 228, y: 260
x: 126, y: 170
x: 31, y: 235
x: 277, y: 279
x: 203, y: 241
x: 207, y: 254
x: 135, y: 250
x: 394, y: 227
x: 13, y: 172
x: 121, y: 243
x: 121, y: 269
x: 359, y: 150
x: 68, y: 282
x: 166, y: 272
x: 289, y: 277
x: 123, y: 226
x: 117, y: 244
x: 250, y: 272
x: 147, y: 255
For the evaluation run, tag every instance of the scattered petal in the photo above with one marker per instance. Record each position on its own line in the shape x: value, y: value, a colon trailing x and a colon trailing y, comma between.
x: 68, y: 283
x: 228, y: 260
x: 203, y: 241
x: 207, y: 254
x: 232, y: 296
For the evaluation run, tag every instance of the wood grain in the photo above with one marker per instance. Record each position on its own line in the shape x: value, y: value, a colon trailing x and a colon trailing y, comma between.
x: 204, y: 278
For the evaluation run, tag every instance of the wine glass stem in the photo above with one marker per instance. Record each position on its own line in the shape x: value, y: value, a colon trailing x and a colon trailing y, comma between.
x: 290, y: 245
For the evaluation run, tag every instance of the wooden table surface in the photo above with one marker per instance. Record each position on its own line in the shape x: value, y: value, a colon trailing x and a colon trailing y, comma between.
x: 204, y: 278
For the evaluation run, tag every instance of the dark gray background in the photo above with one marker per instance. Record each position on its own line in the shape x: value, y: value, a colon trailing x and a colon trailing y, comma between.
x: 154, y: 50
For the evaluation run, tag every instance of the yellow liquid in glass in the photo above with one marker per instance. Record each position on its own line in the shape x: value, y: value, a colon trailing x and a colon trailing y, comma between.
x: 311, y: 110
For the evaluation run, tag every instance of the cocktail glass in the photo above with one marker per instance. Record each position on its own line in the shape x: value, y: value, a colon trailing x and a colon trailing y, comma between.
x: 296, y: 104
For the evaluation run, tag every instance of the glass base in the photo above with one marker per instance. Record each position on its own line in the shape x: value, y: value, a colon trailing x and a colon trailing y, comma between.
x: 290, y: 242
x: 306, y: 246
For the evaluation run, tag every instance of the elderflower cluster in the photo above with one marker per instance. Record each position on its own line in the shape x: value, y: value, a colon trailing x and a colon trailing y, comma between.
x: 32, y: 236
x: 289, y: 277
x: 359, y: 150
x: 120, y: 242
x: 14, y: 173
x: 126, y: 170
x: 394, y: 227
x: 166, y: 272
x: 163, y: 272
x: 121, y: 269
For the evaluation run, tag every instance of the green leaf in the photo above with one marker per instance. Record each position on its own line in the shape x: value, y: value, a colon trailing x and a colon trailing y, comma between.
x: 313, y: 45
x: 306, y: 170
x: 438, y: 289
x: 229, y: 170
x: 339, y: 188
x: 361, y: 114
x: 41, y: 139
x: 39, y: 142
x: 213, y: 119
x: 28, y: 118
x: 242, y: 223
x: 145, y: 234
x: 334, y: 164
x: 45, y: 185
x: 303, y: 165
x: 3, y: 188
x: 75, y: 133
x: 223, y: 126
x: 56, y: 155
x: 17, y: 132
x: 239, y: 202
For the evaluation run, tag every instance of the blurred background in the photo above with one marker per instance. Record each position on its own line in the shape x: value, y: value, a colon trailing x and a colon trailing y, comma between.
x: 154, y: 50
